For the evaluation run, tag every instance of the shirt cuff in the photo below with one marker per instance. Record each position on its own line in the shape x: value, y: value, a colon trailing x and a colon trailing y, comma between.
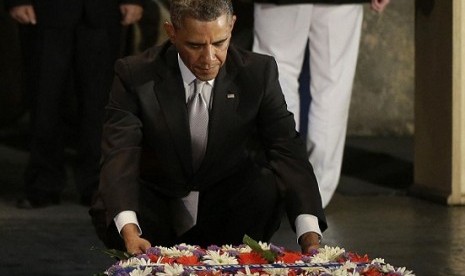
x: 306, y: 223
x: 126, y: 217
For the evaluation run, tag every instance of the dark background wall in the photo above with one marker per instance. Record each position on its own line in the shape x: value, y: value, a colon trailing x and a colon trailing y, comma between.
x: 382, y: 102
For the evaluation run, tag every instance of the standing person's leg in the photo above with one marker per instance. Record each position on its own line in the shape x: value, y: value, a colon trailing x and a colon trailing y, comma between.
x: 282, y: 32
x: 98, y: 45
x: 334, y: 42
x: 48, y: 70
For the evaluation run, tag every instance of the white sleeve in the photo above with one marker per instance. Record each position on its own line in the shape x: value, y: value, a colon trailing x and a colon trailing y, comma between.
x: 306, y: 223
x: 126, y: 217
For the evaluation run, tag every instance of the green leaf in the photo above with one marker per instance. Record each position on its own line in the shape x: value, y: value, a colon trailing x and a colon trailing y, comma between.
x: 266, y: 254
x: 117, y: 254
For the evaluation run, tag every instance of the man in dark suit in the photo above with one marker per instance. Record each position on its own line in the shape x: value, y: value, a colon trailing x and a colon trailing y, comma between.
x: 152, y: 190
x: 68, y: 40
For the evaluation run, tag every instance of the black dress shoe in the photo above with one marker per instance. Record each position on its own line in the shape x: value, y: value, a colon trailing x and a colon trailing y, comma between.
x: 32, y: 203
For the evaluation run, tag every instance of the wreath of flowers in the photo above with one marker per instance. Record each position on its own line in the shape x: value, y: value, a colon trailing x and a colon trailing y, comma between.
x: 251, y: 258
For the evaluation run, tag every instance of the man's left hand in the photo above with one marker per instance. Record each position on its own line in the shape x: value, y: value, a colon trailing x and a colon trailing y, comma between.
x: 131, y: 13
x: 309, y: 241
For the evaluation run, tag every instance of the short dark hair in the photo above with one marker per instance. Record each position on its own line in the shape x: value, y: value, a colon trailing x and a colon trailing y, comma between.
x: 203, y: 10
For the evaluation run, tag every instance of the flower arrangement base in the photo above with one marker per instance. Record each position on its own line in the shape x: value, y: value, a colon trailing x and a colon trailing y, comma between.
x: 250, y: 258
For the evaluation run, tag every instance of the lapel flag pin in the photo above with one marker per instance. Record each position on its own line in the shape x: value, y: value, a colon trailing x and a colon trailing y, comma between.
x: 230, y: 96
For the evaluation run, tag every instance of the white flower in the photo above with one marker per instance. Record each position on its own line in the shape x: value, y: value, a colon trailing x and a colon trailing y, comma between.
x: 175, y: 252
x: 139, y: 272
x: 378, y: 261
x: 404, y: 271
x: 134, y: 262
x: 247, y: 272
x: 216, y: 258
x: 172, y: 270
x: 264, y: 245
x: 189, y: 247
x: 385, y: 268
x: 345, y: 270
x: 230, y: 248
x: 327, y: 254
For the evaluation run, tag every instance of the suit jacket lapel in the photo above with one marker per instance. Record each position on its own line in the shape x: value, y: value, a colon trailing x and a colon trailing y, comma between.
x: 168, y: 87
x: 225, y: 100
x: 169, y: 90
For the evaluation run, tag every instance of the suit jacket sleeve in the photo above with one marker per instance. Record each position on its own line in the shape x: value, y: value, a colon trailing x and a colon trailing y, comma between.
x: 121, y: 139
x: 14, y: 3
x: 286, y: 152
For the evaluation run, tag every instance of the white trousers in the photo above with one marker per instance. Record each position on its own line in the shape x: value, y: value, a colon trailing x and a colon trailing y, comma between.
x: 333, y: 32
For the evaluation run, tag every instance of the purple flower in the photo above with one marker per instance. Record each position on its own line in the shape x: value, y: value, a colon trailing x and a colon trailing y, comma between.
x: 233, y: 253
x: 198, y: 253
x: 153, y: 251
x: 313, y: 252
x: 182, y: 247
x: 213, y: 248
x: 187, y: 272
x: 306, y: 259
x: 158, y: 269
x: 143, y: 256
x: 121, y: 273
x: 117, y: 270
x: 276, y: 249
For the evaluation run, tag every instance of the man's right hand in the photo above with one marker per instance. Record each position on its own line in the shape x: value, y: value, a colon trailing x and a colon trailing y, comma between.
x: 24, y: 14
x: 133, y: 242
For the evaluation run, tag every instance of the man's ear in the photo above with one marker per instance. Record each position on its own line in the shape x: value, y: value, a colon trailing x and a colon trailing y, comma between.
x: 233, y: 20
x: 170, y: 31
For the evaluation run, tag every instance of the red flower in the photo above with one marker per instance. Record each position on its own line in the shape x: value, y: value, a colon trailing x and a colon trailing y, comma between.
x: 251, y: 258
x: 353, y: 257
x: 372, y: 271
x: 163, y: 260
x: 153, y: 258
x: 166, y: 260
x: 290, y: 257
x: 188, y: 260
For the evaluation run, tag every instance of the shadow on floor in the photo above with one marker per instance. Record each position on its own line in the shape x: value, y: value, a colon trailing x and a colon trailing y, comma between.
x: 377, y: 168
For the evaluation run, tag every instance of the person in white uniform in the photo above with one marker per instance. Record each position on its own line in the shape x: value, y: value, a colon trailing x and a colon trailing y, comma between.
x: 332, y: 29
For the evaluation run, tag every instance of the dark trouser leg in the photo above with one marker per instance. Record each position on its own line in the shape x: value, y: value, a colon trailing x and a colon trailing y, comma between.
x: 248, y: 204
x: 97, y: 50
x: 155, y: 218
x: 48, y: 72
x: 235, y: 207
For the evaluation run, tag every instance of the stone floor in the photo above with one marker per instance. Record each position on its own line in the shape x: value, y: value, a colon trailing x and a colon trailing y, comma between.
x: 371, y: 213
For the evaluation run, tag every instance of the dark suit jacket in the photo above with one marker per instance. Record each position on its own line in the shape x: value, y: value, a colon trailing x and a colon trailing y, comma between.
x: 146, y: 134
x: 63, y: 14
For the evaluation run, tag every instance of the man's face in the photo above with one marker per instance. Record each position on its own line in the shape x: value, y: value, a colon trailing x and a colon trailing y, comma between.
x: 203, y: 46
